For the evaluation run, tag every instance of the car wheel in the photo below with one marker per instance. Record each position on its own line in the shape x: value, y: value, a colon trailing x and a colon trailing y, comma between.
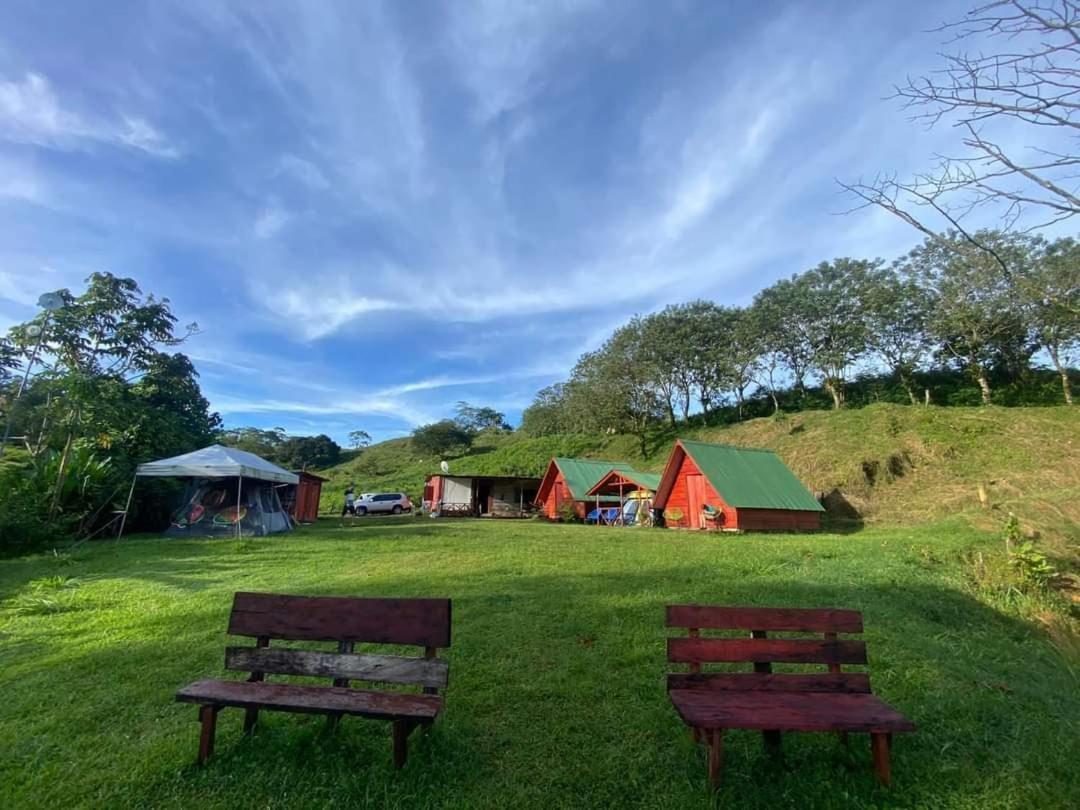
x: 361, y: 510
x: 397, y: 509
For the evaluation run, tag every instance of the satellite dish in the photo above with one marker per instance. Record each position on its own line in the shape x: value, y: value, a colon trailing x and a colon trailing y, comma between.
x: 51, y: 301
x: 33, y: 330
x: 444, y: 466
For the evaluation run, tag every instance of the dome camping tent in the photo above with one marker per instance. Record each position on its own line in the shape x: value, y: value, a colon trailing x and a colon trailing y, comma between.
x: 230, y: 492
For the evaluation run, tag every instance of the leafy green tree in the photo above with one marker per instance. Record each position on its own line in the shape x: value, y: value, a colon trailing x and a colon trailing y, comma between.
x: 478, y: 419
x: 783, y: 324
x: 895, y: 310
x: 976, y: 314
x: 616, y: 385
x: 359, y: 439
x: 744, y: 353
x: 668, y: 341
x: 309, y: 451
x: 263, y: 442
x: 1050, y: 291
x: 443, y: 438
x: 92, y: 348
x: 709, y: 336
x: 830, y: 311
x: 547, y: 415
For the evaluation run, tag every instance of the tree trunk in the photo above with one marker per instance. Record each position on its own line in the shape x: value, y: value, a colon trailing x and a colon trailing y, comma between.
x: 837, y: 392
x: 984, y: 385
x: 686, y: 405
x: 1066, y: 387
x: 775, y: 401
x: 671, y: 412
x: 906, y: 382
x: 61, y: 469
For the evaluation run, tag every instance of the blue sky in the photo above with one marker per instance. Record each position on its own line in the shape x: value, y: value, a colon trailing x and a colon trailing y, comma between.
x: 376, y: 210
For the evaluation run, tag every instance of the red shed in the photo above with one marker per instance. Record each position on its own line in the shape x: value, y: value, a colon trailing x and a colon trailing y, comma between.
x: 747, y: 489
x: 301, y: 500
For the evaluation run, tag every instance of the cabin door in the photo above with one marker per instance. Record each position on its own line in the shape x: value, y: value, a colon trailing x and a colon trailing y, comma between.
x: 695, y: 496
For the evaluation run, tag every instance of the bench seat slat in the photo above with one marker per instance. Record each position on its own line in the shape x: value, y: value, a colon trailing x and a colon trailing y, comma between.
x: 766, y: 650
x: 429, y: 672
x: 312, y: 699
x: 785, y: 620
x: 770, y: 682
x: 780, y: 711
x: 420, y: 622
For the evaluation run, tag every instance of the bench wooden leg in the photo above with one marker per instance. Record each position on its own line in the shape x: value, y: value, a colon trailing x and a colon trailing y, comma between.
x: 251, y: 717
x: 772, y: 742
x: 715, y: 737
x: 208, y: 717
x: 879, y: 745
x: 695, y: 734
x: 401, y: 741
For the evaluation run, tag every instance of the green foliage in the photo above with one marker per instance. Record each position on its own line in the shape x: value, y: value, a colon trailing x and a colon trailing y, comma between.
x: 301, y: 452
x: 981, y: 312
x: 1029, y: 562
x: 359, y: 439
x: 103, y: 396
x: 477, y: 419
x: 445, y: 438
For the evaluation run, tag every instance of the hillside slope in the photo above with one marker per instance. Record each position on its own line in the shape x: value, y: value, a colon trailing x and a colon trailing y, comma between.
x: 882, y: 463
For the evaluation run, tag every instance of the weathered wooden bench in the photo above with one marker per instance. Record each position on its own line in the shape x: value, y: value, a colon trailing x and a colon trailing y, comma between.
x: 837, y: 701
x: 346, y: 621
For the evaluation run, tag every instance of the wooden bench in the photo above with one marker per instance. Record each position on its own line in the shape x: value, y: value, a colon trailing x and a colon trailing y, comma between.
x: 837, y: 701
x: 346, y: 621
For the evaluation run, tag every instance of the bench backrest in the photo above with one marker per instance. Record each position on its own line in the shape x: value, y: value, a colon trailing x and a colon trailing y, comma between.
x: 347, y: 621
x: 763, y: 651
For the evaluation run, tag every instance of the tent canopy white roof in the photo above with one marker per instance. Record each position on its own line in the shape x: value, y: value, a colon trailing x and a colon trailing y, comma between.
x: 216, y: 461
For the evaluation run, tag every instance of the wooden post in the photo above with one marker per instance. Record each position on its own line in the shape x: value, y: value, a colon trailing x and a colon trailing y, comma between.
x: 770, y: 738
x: 716, y: 755
x: 251, y: 716
x: 208, y: 718
x: 879, y: 746
x: 401, y: 742
x: 332, y: 720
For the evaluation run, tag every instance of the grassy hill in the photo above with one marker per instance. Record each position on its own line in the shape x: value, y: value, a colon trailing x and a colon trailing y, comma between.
x: 879, y: 464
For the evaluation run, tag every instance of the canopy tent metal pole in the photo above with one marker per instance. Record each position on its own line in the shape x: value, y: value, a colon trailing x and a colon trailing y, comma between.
x: 127, y: 505
x: 239, y: 484
x: 598, y: 509
x: 622, y: 504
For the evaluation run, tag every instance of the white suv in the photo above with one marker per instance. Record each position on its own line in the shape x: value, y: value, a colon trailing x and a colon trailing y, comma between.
x: 392, y: 502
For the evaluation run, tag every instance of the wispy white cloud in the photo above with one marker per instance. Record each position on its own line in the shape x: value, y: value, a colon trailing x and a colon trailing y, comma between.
x: 31, y: 112
x: 270, y: 220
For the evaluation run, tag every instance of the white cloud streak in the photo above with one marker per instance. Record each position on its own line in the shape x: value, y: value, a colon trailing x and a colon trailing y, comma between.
x: 31, y: 112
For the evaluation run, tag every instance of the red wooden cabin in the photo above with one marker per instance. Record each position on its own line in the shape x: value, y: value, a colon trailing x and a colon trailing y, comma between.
x: 567, y: 482
x: 745, y: 489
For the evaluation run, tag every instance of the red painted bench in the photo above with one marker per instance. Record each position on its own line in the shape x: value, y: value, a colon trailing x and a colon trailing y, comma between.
x: 346, y: 621
x: 837, y: 701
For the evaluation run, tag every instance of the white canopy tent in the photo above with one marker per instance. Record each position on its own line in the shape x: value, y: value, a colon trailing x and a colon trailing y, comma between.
x: 214, y: 461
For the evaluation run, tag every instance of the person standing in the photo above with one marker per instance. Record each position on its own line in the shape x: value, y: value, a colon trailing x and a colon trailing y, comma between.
x: 350, y: 500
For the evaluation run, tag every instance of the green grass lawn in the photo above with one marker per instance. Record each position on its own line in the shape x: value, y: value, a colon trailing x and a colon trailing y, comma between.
x: 556, y: 694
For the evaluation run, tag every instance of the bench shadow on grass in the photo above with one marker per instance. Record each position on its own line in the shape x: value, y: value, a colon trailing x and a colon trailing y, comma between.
x: 586, y: 675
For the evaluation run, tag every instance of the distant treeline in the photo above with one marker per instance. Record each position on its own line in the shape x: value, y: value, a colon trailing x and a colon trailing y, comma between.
x: 974, y: 308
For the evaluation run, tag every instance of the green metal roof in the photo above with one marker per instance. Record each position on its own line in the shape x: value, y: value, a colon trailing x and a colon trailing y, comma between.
x: 750, y: 478
x: 645, y: 480
x: 649, y: 481
x: 581, y: 474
